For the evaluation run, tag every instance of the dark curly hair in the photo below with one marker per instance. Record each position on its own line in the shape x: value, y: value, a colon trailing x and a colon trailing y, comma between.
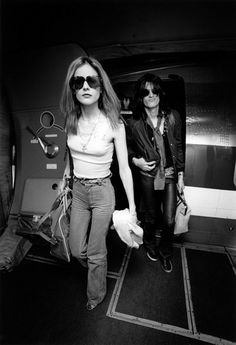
x: 138, y: 106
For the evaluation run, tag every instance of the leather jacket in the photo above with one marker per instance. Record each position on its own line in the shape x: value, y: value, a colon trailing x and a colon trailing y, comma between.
x: 141, y: 143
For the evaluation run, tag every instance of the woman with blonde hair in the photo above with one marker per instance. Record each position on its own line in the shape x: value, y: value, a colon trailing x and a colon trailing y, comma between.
x: 94, y: 128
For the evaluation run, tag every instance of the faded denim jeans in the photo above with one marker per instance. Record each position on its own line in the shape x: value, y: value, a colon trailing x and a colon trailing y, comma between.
x: 92, y: 207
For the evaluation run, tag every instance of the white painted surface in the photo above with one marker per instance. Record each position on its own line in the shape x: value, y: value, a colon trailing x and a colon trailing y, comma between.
x: 207, y: 202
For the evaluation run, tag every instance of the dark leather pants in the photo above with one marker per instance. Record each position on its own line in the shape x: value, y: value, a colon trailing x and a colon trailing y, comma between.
x: 158, y: 212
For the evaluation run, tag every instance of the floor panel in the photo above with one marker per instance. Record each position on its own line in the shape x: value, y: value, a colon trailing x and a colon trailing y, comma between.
x: 182, y: 306
x: 150, y: 293
x: 43, y: 302
x: 213, y: 286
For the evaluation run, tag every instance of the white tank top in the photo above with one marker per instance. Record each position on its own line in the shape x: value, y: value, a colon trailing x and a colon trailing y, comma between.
x: 95, y: 161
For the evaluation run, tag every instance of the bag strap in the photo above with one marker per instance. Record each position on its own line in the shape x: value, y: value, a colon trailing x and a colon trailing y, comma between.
x: 54, y: 206
x: 181, y: 197
x: 64, y: 192
x: 71, y: 166
x: 67, y: 188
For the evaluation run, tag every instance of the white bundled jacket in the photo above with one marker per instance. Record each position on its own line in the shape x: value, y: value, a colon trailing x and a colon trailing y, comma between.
x: 130, y: 233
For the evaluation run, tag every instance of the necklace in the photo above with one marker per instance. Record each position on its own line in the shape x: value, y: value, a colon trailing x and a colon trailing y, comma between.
x: 85, y: 145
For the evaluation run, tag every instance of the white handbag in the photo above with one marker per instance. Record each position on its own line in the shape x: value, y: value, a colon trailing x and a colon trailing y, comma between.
x: 182, y: 215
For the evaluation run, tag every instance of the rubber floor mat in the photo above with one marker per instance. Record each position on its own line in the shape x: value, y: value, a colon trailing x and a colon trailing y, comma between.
x: 213, y: 286
x: 149, y: 292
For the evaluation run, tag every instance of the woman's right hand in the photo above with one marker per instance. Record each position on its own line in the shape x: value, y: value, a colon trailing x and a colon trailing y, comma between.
x: 142, y: 164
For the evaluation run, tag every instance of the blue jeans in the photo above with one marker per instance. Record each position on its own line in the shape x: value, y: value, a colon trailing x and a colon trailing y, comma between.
x: 92, y: 208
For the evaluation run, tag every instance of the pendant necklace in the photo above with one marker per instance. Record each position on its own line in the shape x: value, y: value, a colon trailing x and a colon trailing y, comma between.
x: 85, y: 145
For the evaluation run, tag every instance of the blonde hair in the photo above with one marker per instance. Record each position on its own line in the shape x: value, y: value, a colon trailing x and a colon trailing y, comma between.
x: 108, y: 101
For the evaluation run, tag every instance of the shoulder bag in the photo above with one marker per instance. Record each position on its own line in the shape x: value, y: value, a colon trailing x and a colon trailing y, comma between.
x: 182, y: 215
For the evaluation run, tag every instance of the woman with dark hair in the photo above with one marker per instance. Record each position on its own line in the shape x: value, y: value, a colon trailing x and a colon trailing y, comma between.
x: 156, y: 151
x: 93, y: 126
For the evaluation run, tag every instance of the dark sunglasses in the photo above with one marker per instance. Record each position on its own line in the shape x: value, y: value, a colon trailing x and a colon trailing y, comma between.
x: 76, y: 83
x: 146, y: 92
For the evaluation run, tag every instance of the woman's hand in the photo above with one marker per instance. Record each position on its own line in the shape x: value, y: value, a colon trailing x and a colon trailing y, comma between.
x: 142, y: 164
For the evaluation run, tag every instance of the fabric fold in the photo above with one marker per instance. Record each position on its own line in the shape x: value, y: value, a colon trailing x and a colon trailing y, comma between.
x: 129, y: 232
